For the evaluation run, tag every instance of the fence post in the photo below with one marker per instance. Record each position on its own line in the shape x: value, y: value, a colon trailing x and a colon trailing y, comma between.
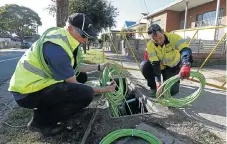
x: 224, y: 46
x: 199, y: 45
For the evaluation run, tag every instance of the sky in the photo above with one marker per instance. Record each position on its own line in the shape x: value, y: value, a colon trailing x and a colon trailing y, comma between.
x: 129, y: 10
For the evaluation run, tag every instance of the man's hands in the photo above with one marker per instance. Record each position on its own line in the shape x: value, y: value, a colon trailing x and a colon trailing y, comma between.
x: 185, y: 71
x: 158, y: 84
x: 111, y: 87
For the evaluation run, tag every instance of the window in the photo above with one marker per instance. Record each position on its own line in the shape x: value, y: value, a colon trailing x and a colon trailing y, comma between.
x: 208, y: 18
x: 181, y: 24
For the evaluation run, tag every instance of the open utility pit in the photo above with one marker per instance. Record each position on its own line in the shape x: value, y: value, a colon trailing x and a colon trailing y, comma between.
x: 133, y: 104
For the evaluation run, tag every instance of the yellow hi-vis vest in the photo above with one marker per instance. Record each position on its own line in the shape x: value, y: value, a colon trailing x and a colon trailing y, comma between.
x: 168, y: 55
x: 29, y: 75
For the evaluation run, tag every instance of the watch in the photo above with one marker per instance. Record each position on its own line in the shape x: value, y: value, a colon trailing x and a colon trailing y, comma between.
x: 187, y: 64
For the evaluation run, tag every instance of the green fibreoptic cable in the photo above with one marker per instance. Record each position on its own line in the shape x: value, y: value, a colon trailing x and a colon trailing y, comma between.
x: 118, y: 97
x: 41, y: 58
x: 113, y: 136
x: 164, y: 97
x: 79, y: 59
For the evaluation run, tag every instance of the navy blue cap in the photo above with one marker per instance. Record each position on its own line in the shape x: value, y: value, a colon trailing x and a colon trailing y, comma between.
x: 82, y: 22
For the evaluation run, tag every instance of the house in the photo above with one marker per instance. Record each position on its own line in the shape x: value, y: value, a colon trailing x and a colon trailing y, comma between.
x: 185, y: 14
x: 128, y: 24
x: 140, y: 28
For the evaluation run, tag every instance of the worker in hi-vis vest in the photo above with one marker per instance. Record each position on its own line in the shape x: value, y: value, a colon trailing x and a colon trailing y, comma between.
x: 45, y: 79
x: 167, y: 55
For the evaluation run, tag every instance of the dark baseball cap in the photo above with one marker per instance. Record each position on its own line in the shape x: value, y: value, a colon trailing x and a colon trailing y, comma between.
x: 82, y: 22
x: 154, y: 28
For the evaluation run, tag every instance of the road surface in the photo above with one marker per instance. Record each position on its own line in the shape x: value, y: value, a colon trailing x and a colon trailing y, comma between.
x: 8, y: 62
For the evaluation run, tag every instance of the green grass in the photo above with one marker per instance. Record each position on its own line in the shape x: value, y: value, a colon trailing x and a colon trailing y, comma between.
x: 20, y: 117
x: 20, y: 135
x: 93, y: 56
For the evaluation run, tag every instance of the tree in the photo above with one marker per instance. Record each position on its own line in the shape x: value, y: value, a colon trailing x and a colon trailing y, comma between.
x: 60, y: 9
x: 62, y: 12
x: 101, y: 12
x: 18, y: 20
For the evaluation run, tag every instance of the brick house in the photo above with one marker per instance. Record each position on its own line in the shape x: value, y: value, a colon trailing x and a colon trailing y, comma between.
x: 200, y: 13
x: 197, y: 14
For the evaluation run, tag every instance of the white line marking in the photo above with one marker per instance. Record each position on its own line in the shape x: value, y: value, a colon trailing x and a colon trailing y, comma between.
x: 9, y: 59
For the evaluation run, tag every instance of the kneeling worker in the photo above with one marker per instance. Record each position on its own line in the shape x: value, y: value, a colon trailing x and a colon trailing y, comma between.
x: 167, y: 54
x: 49, y: 85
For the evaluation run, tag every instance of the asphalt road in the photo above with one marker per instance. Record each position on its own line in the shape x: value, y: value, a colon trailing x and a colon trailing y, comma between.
x: 8, y: 62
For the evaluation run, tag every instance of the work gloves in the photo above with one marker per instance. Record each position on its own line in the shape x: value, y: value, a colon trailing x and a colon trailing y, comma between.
x: 158, y: 84
x: 185, y: 72
x: 145, y: 56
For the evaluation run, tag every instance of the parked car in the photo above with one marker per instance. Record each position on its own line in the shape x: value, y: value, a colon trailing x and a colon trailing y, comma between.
x: 26, y: 45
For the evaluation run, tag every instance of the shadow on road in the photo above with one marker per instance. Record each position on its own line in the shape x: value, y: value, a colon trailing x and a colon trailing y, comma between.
x: 209, y: 108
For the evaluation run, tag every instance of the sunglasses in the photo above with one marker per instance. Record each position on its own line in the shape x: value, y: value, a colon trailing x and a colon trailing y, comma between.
x: 81, y: 33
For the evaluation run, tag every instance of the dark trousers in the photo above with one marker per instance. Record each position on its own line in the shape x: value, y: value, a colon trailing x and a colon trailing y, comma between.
x: 167, y: 73
x: 58, y: 102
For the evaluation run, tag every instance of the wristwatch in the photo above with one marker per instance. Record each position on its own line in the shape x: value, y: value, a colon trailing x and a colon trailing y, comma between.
x: 187, y: 64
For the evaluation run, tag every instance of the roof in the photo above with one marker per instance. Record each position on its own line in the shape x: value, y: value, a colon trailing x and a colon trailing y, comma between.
x: 136, y: 25
x: 115, y: 30
x: 179, y: 5
x: 129, y: 23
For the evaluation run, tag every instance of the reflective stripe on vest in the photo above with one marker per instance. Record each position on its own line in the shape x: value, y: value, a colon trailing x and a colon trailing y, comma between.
x: 179, y: 43
x: 166, y: 60
x: 34, y: 69
x: 38, y: 71
x: 59, y: 36
x: 152, y: 54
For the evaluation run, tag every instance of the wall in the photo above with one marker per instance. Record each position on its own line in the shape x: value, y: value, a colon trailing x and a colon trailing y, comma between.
x: 173, y: 21
x: 163, y: 17
x: 207, y: 34
x: 193, y: 12
x: 200, y: 49
x: 8, y: 43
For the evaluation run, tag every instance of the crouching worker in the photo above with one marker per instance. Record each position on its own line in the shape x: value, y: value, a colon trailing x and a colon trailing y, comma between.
x: 167, y: 55
x: 49, y: 86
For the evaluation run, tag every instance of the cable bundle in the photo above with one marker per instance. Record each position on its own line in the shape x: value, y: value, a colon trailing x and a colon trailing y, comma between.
x: 164, y: 97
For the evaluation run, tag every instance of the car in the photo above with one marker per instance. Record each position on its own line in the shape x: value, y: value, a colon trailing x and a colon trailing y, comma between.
x: 26, y: 45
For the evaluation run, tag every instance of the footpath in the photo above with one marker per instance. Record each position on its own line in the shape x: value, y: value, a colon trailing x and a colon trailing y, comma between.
x: 209, y: 109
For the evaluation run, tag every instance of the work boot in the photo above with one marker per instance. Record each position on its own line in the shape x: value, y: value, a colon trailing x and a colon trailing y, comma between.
x: 36, y: 125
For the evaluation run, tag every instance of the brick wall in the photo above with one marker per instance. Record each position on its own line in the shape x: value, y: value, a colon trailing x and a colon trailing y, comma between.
x: 173, y: 21
x: 170, y: 20
x: 193, y: 12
